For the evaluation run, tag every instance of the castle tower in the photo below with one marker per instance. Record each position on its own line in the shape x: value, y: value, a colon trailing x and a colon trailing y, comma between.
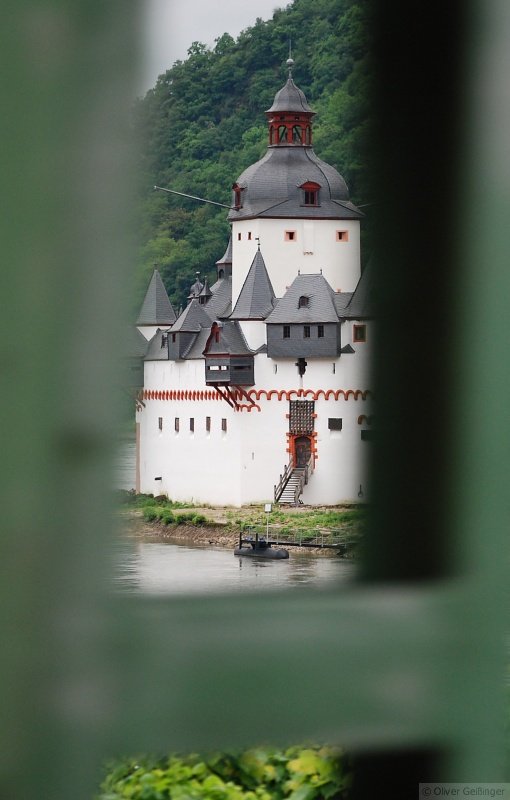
x: 264, y: 378
x: 295, y: 205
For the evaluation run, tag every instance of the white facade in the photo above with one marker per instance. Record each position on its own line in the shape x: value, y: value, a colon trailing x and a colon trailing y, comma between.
x: 242, y: 464
x: 330, y: 245
x: 227, y: 444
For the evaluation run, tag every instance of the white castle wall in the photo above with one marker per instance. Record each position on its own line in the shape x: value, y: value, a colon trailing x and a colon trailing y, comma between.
x: 314, y: 248
x: 242, y: 464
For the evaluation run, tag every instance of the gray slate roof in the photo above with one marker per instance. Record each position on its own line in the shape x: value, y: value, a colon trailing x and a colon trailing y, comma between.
x: 220, y: 304
x: 231, y: 341
x: 342, y: 300
x: 321, y: 306
x: 206, y: 289
x: 290, y: 98
x: 135, y: 345
x: 227, y: 255
x: 156, y: 308
x: 197, y: 346
x: 256, y: 298
x: 271, y: 187
x: 361, y: 304
x: 154, y: 350
x: 192, y: 319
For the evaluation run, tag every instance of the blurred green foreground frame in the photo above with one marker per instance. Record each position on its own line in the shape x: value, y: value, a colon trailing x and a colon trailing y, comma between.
x: 411, y: 660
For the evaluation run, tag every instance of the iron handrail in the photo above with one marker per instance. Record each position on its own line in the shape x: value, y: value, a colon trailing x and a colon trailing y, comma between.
x: 278, y: 489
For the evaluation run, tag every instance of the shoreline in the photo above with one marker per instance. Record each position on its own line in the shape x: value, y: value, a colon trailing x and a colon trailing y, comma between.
x: 219, y: 535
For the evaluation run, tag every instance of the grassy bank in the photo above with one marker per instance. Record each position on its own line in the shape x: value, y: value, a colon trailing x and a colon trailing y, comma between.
x: 223, y: 525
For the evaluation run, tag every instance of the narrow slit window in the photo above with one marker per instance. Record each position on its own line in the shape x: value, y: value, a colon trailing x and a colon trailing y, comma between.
x: 320, y: 331
x: 192, y: 425
x: 160, y: 423
x: 359, y: 333
x: 286, y: 331
x: 176, y: 424
x: 306, y: 331
x: 224, y: 425
x: 208, y: 424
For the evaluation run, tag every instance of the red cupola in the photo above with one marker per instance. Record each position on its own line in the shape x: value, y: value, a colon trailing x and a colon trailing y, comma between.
x: 290, y: 116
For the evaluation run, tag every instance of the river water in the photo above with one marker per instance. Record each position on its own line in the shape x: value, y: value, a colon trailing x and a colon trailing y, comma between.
x: 179, y: 568
x: 170, y: 568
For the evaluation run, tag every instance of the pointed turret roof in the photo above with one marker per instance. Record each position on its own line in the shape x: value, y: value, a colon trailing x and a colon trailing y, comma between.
x: 227, y: 255
x: 361, y: 304
x: 193, y: 319
x: 196, y: 288
x: 134, y: 344
x: 205, y: 292
x: 256, y: 299
x: 156, y: 308
x: 220, y: 304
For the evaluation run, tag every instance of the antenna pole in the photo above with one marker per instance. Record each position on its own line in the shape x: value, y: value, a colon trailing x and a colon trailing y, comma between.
x: 193, y: 197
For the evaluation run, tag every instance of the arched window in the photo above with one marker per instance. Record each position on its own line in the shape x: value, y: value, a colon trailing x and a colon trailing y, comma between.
x: 282, y: 133
x: 296, y: 134
x: 303, y: 301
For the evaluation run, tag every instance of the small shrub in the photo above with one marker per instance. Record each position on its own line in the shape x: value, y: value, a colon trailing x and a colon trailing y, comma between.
x: 150, y: 513
x: 167, y: 516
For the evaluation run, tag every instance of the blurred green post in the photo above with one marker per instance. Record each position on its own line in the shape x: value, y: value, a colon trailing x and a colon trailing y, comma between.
x: 403, y: 661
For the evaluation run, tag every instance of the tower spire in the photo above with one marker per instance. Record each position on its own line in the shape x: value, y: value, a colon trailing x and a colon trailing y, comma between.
x: 290, y: 60
x: 290, y: 116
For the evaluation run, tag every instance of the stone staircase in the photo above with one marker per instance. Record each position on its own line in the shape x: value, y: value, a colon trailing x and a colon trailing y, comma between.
x: 292, y: 481
x: 293, y: 487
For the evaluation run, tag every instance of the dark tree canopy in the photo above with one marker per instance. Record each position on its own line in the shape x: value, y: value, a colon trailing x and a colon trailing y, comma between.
x: 203, y: 123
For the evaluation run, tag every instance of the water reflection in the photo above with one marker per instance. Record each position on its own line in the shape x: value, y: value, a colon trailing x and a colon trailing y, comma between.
x: 168, y: 568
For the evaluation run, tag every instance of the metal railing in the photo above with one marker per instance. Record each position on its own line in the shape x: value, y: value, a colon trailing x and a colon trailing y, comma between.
x: 282, y: 483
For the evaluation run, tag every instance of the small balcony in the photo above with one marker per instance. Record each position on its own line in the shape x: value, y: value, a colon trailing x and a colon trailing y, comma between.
x: 230, y: 370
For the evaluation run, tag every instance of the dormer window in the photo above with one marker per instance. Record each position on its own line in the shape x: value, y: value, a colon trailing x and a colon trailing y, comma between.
x: 303, y: 301
x: 310, y: 193
x: 238, y: 199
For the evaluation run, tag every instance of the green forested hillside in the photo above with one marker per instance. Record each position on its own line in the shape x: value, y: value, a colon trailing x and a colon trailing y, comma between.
x: 203, y: 123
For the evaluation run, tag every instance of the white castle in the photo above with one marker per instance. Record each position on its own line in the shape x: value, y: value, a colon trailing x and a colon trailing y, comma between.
x: 259, y: 391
